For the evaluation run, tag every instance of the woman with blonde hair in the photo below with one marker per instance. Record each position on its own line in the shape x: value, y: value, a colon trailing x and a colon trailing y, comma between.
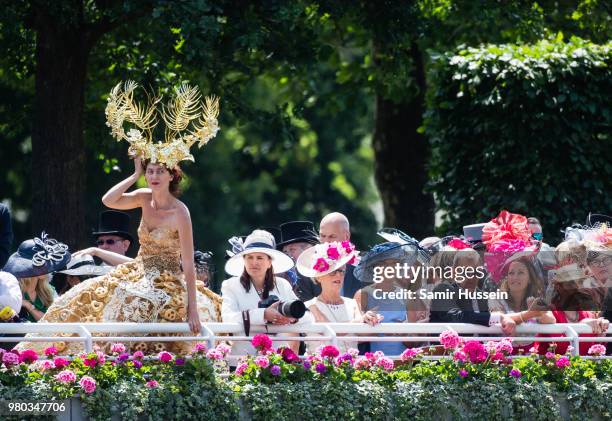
x: 32, y: 265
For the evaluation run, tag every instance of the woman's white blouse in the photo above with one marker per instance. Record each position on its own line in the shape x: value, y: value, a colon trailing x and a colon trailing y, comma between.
x: 345, y: 313
x: 236, y: 300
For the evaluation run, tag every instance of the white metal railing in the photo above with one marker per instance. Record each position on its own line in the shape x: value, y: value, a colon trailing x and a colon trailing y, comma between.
x: 325, y: 332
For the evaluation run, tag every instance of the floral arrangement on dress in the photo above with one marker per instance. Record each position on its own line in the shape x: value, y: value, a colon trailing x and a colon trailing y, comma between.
x: 328, y: 254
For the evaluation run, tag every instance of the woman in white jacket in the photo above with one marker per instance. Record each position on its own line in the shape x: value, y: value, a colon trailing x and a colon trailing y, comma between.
x: 252, y: 281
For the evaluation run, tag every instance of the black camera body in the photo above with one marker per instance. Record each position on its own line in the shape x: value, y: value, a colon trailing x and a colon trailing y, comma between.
x: 295, y: 309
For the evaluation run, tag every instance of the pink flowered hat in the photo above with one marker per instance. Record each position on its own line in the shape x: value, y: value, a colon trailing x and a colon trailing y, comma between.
x: 508, y: 238
x: 325, y: 258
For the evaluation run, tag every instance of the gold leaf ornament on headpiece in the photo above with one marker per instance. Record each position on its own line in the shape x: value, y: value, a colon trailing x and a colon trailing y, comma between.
x: 188, y: 120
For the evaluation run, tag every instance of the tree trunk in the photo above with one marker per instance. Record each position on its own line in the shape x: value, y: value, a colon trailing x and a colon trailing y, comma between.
x: 401, y: 156
x: 58, y: 157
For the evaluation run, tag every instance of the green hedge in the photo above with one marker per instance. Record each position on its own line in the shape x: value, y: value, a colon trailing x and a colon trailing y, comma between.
x: 522, y: 127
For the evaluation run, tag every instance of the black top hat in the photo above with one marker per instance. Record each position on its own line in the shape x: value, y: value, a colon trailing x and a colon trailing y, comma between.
x: 112, y: 222
x: 296, y: 232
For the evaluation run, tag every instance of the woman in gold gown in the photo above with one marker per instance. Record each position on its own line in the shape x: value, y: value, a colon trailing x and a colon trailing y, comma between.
x: 160, y: 284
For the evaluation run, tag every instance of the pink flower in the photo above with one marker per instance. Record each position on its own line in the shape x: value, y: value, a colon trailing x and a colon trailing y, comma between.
x: 505, y: 346
x: 332, y: 252
x: 60, y: 363
x: 223, y: 349
x: 460, y: 356
x: 362, y: 363
x: 200, y: 348
x: 51, y: 351
x: 214, y: 354
x: 385, y: 363
x: 533, y: 350
x: 475, y: 351
x: 262, y: 361
x: 550, y: 355
x: 152, y: 384
x: 563, y: 362
x: 330, y: 351
x: 321, y: 265
x: 139, y: 355
x: 165, y: 356
x: 88, y: 384
x: 90, y: 362
x: 101, y: 357
x: 449, y: 339
x: 410, y: 353
x: 261, y: 342
x: 47, y: 365
x: 458, y: 244
x: 354, y: 352
x: 241, y: 368
x: 28, y: 356
x: 10, y: 358
x: 118, y: 348
x: 66, y: 376
x: 597, y: 350
x: 463, y: 373
x: 515, y: 372
x: 347, y: 246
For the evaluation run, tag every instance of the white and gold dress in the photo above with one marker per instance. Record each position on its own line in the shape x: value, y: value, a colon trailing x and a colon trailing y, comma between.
x: 149, y: 289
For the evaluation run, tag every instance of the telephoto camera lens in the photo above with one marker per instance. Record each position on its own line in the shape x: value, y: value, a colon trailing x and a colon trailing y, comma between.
x: 295, y: 309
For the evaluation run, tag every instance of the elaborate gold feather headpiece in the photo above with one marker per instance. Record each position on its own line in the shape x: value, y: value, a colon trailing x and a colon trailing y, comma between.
x: 184, y: 109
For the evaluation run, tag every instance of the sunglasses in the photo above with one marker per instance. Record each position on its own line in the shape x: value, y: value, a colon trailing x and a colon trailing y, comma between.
x: 338, y: 271
x: 537, y: 236
x: 108, y: 241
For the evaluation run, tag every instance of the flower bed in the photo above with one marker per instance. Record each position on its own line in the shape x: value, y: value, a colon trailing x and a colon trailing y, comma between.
x: 478, y: 381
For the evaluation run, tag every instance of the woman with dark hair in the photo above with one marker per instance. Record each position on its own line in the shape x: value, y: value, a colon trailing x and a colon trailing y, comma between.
x: 522, y: 286
x: 160, y: 284
x: 253, y: 281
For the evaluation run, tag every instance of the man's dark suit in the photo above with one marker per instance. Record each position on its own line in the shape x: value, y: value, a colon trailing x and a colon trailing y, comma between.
x: 457, y: 310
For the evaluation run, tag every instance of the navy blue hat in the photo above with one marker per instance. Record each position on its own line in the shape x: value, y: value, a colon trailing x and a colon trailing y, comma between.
x: 38, y: 256
x: 405, y: 253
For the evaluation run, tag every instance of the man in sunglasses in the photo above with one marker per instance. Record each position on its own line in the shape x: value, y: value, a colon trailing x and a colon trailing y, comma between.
x: 546, y: 257
x: 112, y: 238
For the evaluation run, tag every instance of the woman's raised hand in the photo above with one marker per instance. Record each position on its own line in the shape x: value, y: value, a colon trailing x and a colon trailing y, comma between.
x: 137, y: 165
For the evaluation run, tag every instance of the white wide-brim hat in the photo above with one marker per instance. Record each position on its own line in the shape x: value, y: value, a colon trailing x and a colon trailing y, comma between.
x: 307, y: 260
x: 259, y: 241
x: 10, y: 292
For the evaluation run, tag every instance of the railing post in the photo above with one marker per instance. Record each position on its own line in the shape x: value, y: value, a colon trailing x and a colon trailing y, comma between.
x: 575, y: 342
x: 210, y: 337
x: 88, y: 345
x: 332, y: 333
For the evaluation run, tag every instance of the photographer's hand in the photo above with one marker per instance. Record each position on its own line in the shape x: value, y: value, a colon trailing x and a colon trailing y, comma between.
x: 272, y: 315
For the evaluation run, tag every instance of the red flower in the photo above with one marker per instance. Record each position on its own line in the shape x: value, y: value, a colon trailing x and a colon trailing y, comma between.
x: 262, y: 342
x: 28, y: 356
x: 321, y: 265
x: 330, y: 351
x: 60, y: 363
x: 458, y: 244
